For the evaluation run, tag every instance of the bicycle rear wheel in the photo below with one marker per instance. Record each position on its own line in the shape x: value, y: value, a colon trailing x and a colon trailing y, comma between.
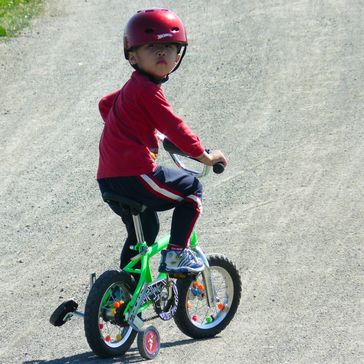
x: 194, y: 317
x: 106, y: 332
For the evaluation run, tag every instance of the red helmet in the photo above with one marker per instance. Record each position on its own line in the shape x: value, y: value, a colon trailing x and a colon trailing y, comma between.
x: 153, y: 26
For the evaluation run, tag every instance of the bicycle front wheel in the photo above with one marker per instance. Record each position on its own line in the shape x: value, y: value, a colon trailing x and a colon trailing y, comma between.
x: 194, y: 317
x: 106, y: 333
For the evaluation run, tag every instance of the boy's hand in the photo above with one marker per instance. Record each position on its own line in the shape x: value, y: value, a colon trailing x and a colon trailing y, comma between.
x: 210, y: 159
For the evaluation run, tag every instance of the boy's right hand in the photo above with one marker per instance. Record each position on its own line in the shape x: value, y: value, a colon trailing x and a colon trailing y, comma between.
x: 210, y: 159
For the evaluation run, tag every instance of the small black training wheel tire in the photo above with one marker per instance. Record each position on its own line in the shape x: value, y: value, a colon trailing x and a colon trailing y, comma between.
x: 187, y: 321
x: 57, y: 317
x: 148, y: 342
x: 100, y: 345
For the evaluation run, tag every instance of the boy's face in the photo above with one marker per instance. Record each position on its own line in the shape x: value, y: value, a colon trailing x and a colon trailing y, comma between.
x: 157, y: 59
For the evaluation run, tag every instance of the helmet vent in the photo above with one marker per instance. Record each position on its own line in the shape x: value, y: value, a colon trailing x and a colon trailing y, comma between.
x: 149, y: 30
x: 175, y: 29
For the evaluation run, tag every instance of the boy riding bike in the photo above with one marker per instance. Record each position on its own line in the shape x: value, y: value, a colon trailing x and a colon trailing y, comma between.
x: 155, y: 42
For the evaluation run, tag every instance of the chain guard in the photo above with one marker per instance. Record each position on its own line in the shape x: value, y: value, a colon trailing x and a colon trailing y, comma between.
x: 166, y: 305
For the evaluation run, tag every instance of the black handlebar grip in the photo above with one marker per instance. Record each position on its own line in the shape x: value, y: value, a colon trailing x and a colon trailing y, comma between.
x: 218, y: 168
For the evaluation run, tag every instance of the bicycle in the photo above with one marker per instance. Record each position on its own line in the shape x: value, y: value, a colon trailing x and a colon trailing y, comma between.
x: 202, y: 305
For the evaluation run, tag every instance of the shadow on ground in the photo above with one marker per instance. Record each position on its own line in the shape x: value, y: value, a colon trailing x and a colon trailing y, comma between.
x: 132, y: 356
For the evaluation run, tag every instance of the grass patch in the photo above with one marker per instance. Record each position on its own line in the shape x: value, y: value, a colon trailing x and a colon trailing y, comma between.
x: 17, y: 14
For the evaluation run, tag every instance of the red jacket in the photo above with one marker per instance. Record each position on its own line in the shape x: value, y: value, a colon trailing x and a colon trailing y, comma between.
x: 132, y: 115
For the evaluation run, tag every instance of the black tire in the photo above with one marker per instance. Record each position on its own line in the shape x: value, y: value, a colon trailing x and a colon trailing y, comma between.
x: 148, y: 336
x: 57, y: 318
x: 191, y: 292
x: 111, y: 286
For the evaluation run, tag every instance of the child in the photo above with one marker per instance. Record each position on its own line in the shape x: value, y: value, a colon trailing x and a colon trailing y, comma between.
x: 153, y: 41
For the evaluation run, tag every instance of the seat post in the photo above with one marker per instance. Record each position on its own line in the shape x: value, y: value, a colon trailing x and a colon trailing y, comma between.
x: 138, y: 228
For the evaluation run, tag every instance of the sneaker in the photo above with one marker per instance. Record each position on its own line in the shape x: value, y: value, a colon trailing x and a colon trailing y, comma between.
x: 173, y: 261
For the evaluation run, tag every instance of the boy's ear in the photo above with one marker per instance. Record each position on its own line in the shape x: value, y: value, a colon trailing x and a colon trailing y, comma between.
x: 132, y: 58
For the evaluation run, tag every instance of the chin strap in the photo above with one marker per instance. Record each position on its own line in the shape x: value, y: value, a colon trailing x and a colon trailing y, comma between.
x: 180, y: 60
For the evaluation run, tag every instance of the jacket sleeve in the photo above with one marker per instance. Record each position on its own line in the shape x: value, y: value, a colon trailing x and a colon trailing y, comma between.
x: 167, y: 122
x: 106, y: 104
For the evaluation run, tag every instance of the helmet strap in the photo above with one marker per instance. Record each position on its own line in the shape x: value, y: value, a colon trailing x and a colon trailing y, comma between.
x: 180, y: 60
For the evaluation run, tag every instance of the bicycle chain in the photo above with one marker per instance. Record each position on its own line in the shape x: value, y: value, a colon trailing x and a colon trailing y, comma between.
x: 150, y: 318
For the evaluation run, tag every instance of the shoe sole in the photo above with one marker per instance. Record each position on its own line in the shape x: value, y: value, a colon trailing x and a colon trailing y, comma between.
x: 181, y: 270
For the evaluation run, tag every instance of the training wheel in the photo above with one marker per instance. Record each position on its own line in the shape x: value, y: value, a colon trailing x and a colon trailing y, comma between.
x: 59, y: 314
x: 148, y: 342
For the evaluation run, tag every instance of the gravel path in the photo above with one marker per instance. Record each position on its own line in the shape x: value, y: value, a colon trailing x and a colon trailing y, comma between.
x: 278, y: 86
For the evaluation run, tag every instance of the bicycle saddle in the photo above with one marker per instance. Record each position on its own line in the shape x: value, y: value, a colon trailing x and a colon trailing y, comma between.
x: 129, y: 206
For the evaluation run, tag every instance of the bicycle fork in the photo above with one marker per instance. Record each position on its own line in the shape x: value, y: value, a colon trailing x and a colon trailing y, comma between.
x: 206, y: 274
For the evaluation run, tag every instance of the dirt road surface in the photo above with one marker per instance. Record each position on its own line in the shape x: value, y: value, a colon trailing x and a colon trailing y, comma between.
x: 278, y: 86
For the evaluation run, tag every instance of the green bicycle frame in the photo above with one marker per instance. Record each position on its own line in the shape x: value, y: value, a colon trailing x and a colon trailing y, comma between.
x: 145, y: 272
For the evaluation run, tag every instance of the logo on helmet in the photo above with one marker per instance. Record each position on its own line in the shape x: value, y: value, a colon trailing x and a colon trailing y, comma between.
x: 165, y: 35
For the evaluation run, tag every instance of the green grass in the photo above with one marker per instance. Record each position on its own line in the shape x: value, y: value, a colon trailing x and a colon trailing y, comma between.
x: 17, y: 14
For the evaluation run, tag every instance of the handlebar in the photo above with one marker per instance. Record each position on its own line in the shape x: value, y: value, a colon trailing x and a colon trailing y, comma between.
x: 218, y: 168
x: 175, y: 152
